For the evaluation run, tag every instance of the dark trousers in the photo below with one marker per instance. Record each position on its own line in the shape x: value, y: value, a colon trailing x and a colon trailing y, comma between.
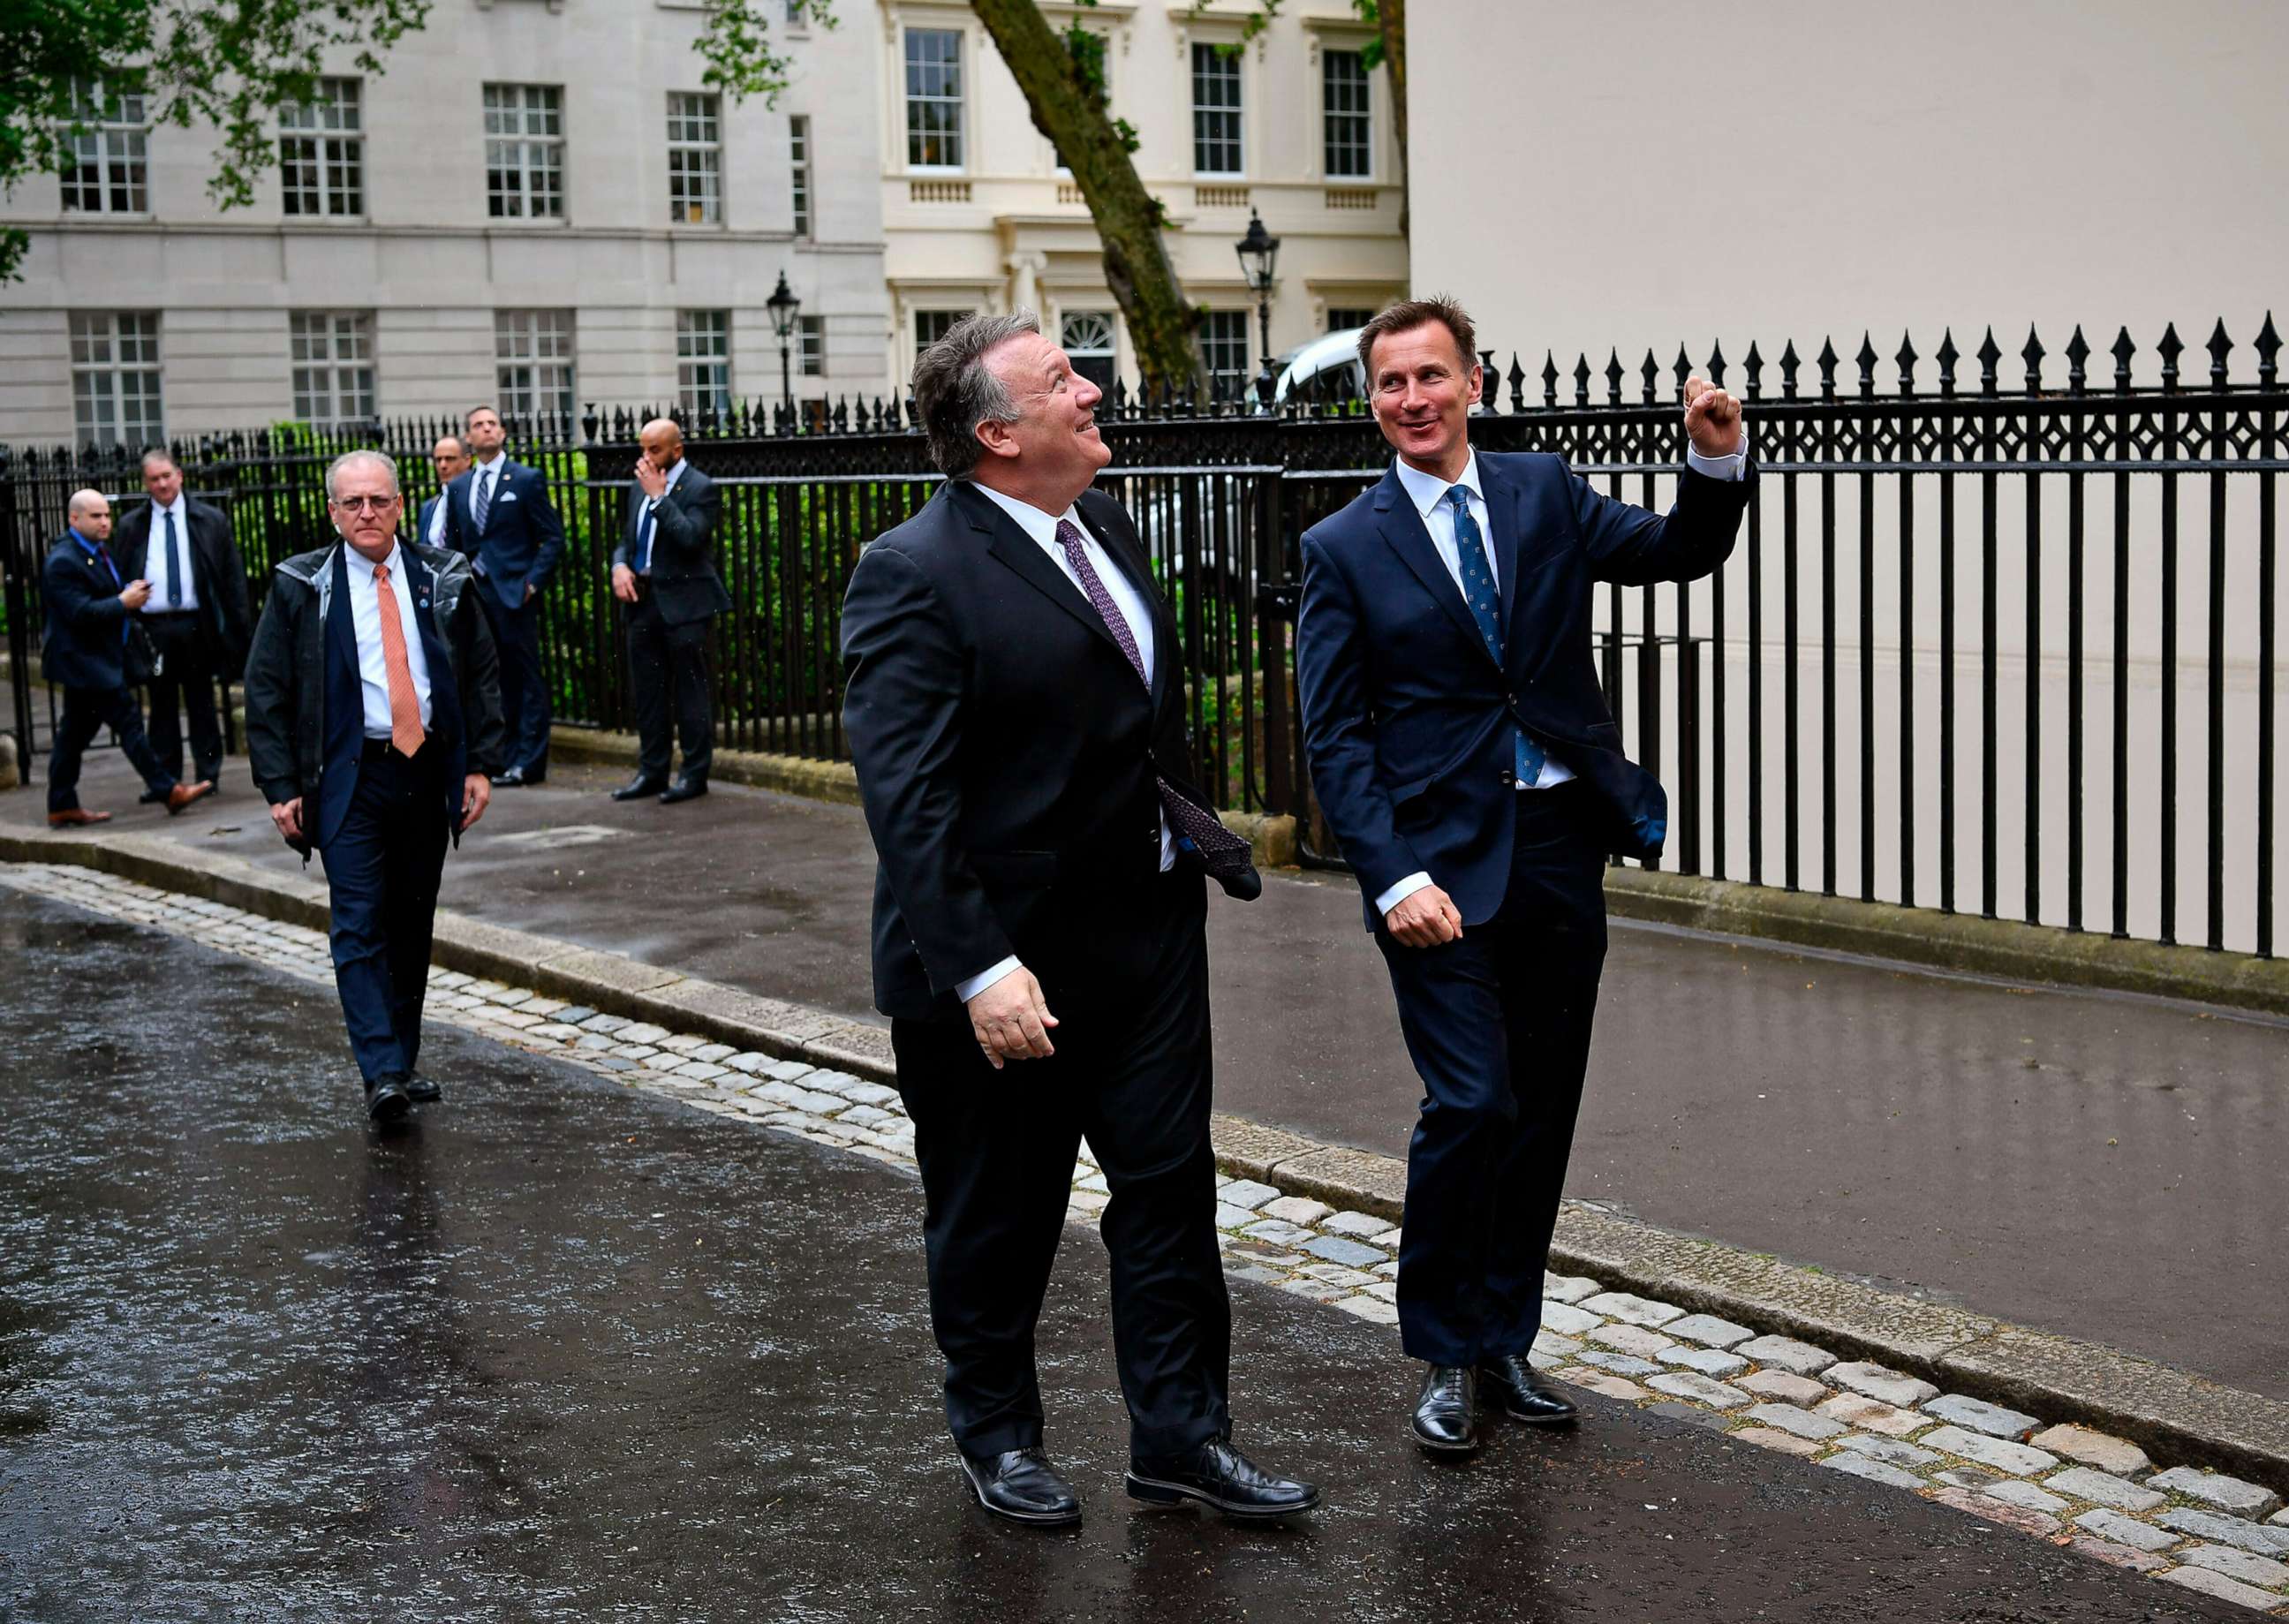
x: 185, y: 685
x: 997, y: 1152
x: 667, y: 676
x: 524, y: 693
x: 382, y: 869
x: 88, y: 711
x: 1498, y: 1026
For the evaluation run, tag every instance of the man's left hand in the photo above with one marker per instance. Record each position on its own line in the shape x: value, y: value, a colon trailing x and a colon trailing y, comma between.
x: 476, y: 795
x: 529, y: 590
x: 1712, y: 420
x: 651, y: 478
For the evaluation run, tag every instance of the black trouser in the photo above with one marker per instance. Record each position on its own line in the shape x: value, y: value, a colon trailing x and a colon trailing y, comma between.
x: 186, y: 683
x: 524, y: 692
x: 88, y: 711
x: 997, y: 1152
x: 382, y: 869
x: 1498, y: 1025
x: 667, y: 675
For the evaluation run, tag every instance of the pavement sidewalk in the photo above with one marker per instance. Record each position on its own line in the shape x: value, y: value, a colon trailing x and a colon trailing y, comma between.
x: 2099, y: 1164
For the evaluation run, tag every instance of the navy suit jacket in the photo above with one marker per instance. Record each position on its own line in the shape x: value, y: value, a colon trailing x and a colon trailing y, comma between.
x: 421, y: 522
x: 345, y: 743
x: 523, y: 538
x: 87, y: 623
x: 1409, y: 720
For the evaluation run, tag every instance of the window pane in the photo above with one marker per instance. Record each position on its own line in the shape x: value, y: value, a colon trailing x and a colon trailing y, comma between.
x: 116, y: 378
x: 1223, y: 346
x: 532, y: 373
x: 1349, y: 144
x: 798, y: 154
x: 703, y: 362
x: 322, y: 152
x: 107, y: 169
x: 524, y: 151
x: 694, y: 160
x: 931, y: 325
x: 813, y: 330
x: 1086, y: 339
x: 934, y: 98
x: 332, y: 352
x: 1216, y: 110
x: 1343, y: 320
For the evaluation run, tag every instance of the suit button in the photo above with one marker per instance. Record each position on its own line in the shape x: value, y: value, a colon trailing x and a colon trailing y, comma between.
x: 1506, y: 776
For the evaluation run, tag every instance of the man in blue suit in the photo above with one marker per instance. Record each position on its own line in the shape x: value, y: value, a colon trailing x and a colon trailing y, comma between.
x: 450, y: 457
x: 499, y: 515
x: 374, y: 722
x: 1464, y: 756
x: 84, y: 650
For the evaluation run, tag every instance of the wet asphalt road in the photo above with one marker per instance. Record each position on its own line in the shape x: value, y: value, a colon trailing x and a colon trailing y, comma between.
x: 2105, y: 1166
x: 565, y: 1352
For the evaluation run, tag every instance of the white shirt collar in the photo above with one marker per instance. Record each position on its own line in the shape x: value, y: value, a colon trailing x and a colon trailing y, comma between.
x: 1427, y: 490
x: 179, y: 507
x: 1042, y: 526
x: 495, y: 461
x: 363, y: 566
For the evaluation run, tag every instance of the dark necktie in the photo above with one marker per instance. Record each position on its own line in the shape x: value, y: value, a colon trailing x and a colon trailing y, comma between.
x: 174, y: 563
x: 644, y: 526
x: 482, y: 500
x: 1218, y: 849
x: 1486, y: 608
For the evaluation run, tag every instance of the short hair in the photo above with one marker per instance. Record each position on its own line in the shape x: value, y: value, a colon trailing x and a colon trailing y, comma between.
x: 459, y: 444
x: 388, y: 466
x: 1409, y: 313
x: 159, y: 454
x: 473, y: 411
x: 955, y: 391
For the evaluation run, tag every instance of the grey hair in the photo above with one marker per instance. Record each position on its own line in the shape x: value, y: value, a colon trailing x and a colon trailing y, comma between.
x: 955, y: 390
x: 388, y: 465
x: 163, y: 455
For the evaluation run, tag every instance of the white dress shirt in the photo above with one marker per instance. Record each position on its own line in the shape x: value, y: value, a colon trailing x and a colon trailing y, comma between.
x: 436, y: 535
x: 490, y: 474
x: 1127, y: 600
x: 163, y: 600
x: 365, y: 620
x: 646, y: 543
x: 1428, y: 492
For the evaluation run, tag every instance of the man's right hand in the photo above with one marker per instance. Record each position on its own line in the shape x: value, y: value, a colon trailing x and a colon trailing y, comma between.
x: 1427, y: 918
x: 624, y: 584
x: 136, y: 594
x: 1012, y: 1021
x: 287, y: 814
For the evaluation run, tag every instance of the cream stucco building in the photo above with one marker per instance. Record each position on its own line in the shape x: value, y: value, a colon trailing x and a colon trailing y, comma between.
x: 538, y: 201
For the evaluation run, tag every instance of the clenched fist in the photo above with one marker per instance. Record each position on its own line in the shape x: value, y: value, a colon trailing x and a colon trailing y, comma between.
x: 1712, y: 420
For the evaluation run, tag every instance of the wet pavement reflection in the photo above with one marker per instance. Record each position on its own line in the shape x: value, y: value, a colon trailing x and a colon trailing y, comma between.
x: 565, y: 1352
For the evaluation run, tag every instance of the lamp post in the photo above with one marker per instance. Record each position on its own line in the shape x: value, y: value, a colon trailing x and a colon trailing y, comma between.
x: 783, y: 305
x: 1259, y: 251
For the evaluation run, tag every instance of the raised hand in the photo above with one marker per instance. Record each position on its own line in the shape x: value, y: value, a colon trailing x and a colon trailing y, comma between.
x: 1712, y: 420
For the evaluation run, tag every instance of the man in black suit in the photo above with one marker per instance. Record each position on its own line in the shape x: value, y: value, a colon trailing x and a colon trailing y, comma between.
x: 1014, y: 699
x: 197, y: 614
x: 373, y: 721
x: 499, y: 515
x: 450, y: 457
x: 1463, y: 756
x: 89, y: 603
x: 663, y: 570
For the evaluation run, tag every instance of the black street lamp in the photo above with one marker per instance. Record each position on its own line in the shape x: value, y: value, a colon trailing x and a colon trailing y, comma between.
x: 1259, y: 251
x: 783, y: 305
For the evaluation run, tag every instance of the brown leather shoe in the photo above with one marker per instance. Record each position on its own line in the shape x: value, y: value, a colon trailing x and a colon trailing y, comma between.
x: 183, y: 794
x: 76, y: 818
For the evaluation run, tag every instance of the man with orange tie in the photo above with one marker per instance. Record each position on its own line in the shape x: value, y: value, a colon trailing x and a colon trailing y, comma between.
x: 373, y: 721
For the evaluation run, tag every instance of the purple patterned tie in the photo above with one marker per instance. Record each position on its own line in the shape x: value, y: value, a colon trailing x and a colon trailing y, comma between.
x: 1220, y: 851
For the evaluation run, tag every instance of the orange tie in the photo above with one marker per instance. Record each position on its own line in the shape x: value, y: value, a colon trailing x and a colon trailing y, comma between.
x: 405, y: 731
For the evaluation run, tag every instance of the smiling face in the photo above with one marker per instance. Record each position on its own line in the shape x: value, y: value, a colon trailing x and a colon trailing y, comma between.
x: 1050, y: 454
x: 1422, y: 394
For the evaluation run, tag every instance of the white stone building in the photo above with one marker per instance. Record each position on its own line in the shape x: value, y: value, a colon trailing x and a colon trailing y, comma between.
x: 538, y: 202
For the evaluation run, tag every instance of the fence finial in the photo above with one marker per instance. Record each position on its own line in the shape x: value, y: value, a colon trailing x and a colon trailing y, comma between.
x: 2171, y: 347
x: 2269, y: 349
x: 2124, y: 347
x: 2220, y: 348
x: 1549, y: 378
x: 1866, y: 359
x: 2032, y: 354
x: 1906, y: 362
x: 1990, y: 353
x: 2077, y: 353
x: 1753, y: 365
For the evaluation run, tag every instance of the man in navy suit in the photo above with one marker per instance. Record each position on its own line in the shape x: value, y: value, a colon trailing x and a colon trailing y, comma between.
x: 450, y: 457
x: 499, y: 515
x: 663, y: 570
x: 373, y: 721
x: 1465, y: 757
x: 84, y: 650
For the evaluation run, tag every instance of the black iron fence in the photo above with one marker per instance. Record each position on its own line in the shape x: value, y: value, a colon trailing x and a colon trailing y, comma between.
x: 2012, y: 652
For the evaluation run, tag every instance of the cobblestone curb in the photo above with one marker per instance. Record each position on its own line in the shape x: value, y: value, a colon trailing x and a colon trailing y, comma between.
x: 2171, y: 1412
x: 2098, y: 1495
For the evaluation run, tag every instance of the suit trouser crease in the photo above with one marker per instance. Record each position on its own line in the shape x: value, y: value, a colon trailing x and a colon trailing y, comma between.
x: 524, y: 691
x: 668, y: 677
x: 383, y: 867
x: 88, y: 711
x: 185, y: 690
x: 1498, y: 1026
x: 997, y: 1152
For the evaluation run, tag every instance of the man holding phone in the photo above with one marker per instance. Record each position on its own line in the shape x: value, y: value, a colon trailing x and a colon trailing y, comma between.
x: 664, y: 574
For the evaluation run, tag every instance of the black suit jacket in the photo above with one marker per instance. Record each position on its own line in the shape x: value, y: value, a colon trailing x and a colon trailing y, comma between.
x: 86, y: 622
x: 684, y: 582
x: 1408, y: 721
x: 217, y: 573
x: 1006, y: 753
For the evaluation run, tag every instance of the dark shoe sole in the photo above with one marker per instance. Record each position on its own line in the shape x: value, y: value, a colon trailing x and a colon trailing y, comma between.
x: 1540, y: 1421
x: 1030, y: 1519
x: 1439, y: 1446
x: 391, y: 1109
x: 425, y: 1096
x: 1160, y: 1491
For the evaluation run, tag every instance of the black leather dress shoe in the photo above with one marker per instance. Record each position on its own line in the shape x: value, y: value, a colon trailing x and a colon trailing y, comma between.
x: 640, y: 789
x: 388, y: 1101
x: 1215, y: 1474
x: 1518, y: 1388
x: 1022, y: 1486
x: 517, y: 778
x: 1447, y: 1415
x: 423, y: 1090
x: 683, y: 789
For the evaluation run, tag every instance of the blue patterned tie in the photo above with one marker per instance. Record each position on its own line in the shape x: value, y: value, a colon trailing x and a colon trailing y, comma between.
x: 644, y: 540
x: 1486, y: 608
x: 481, y: 501
x: 174, y: 563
